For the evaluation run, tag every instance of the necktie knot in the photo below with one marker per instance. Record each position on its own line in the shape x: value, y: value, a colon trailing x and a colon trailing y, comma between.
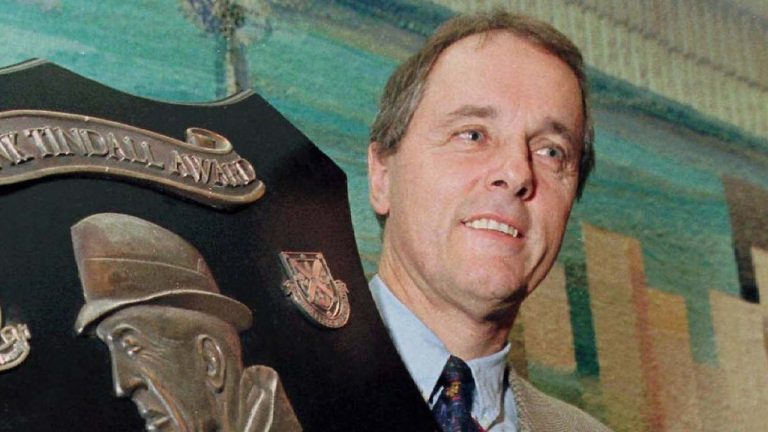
x: 453, y: 408
x: 457, y: 379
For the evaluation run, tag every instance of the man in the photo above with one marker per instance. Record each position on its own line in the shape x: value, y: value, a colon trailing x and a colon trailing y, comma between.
x: 173, y: 338
x: 481, y: 145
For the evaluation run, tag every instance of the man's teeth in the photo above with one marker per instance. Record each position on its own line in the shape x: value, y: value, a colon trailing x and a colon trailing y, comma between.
x: 493, y: 225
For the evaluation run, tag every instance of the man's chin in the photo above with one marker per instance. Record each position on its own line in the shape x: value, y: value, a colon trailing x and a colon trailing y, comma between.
x: 495, y: 281
x: 492, y: 302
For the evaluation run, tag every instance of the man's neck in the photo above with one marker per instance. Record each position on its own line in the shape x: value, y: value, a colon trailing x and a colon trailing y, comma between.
x: 467, y: 334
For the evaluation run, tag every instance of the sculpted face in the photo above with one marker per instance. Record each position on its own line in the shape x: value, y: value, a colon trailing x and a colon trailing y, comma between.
x: 480, y: 189
x: 161, y: 370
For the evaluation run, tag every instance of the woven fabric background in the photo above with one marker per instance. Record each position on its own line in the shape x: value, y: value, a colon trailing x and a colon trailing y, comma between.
x: 653, y: 319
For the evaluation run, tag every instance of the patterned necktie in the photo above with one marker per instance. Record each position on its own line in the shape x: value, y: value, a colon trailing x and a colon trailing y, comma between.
x: 453, y: 409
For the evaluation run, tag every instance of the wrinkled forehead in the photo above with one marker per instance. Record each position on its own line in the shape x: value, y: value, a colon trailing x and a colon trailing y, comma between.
x: 162, y: 322
x: 508, y: 66
x: 510, y: 46
x: 150, y: 320
x: 515, y: 45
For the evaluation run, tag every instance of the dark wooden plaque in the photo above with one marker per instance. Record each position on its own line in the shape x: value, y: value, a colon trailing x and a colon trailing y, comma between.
x: 71, y: 148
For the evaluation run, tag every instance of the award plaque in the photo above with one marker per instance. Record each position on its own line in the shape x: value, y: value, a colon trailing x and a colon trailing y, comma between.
x: 180, y: 267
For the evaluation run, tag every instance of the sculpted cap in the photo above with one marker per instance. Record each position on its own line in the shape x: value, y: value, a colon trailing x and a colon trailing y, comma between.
x: 123, y: 261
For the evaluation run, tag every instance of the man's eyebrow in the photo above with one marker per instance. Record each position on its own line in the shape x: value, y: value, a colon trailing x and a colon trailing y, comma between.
x: 472, y: 111
x: 552, y: 126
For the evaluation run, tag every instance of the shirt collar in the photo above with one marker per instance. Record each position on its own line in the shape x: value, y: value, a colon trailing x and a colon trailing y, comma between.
x: 488, y: 373
x: 422, y: 352
x: 425, y: 355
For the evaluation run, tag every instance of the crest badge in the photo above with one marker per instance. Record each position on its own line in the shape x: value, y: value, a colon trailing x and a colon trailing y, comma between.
x: 312, y: 288
x: 14, y: 347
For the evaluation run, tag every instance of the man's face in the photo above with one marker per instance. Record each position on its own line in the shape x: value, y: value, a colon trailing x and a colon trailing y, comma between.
x: 164, y: 377
x: 479, y: 191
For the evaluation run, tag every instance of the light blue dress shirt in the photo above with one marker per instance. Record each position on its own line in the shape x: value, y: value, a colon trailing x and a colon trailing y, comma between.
x: 425, y: 356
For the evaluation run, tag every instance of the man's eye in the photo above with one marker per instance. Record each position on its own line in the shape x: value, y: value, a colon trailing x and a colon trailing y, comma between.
x: 471, y: 135
x: 551, y: 152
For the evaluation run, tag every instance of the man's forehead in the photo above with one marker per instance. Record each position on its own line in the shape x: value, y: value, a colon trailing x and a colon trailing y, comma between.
x: 463, y: 72
x: 509, y: 47
x: 141, y: 317
x: 160, y: 320
x: 119, y: 320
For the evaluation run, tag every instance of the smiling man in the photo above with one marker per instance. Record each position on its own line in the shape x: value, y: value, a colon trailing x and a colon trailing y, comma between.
x: 481, y: 145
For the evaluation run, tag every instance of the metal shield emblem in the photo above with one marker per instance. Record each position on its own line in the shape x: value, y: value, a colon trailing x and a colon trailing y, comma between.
x: 313, y: 289
x: 166, y: 305
x: 14, y: 347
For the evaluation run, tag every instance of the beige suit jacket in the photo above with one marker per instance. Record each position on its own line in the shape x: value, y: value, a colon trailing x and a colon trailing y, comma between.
x: 539, y: 412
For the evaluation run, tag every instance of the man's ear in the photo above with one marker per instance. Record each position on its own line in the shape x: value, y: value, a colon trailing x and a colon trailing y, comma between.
x: 378, y: 179
x: 213, y: 360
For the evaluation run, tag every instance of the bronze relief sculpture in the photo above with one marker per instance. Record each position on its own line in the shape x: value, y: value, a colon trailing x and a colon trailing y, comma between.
x: 172, y: 337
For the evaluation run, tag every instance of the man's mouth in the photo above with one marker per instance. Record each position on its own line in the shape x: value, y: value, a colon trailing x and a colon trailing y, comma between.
x: 492, y: 225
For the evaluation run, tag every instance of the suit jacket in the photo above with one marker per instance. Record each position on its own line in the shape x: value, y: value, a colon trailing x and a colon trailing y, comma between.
x: 539, y: 412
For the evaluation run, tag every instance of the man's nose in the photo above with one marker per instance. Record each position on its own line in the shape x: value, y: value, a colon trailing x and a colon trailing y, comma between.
x: 124, y: 377
x: 512, y: 171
